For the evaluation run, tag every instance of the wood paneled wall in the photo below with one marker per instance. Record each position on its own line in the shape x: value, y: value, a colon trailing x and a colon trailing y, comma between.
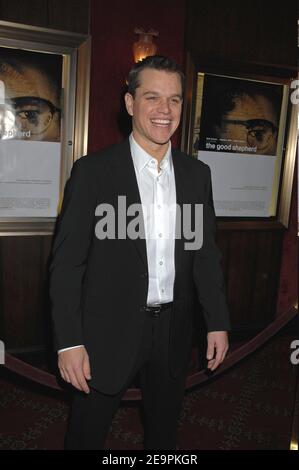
x: 251, y: 31
x: 24, y: 305
x: 66, y: 15
x: 251, y: 263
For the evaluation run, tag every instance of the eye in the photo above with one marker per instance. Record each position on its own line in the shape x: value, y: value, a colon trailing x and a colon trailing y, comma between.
x: 258, y: 133
x: 31, y: 115
x: 176, y: 100
x: 151, y: 98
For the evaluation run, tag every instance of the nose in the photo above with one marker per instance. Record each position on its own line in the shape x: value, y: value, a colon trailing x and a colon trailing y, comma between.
x: 164, y: 106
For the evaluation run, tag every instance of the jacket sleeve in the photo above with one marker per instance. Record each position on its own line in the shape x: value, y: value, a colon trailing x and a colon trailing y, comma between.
x: 207, y: 271
x: 69, y: 254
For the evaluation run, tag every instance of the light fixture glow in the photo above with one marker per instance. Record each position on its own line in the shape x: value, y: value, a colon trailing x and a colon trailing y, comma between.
x: 145, y: 46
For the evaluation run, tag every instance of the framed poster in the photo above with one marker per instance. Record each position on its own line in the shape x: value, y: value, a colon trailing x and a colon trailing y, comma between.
x: 44, y: 92
x: 240, y: 124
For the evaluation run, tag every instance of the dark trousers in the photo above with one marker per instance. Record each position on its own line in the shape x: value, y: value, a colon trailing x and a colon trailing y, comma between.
x: 162, y: 396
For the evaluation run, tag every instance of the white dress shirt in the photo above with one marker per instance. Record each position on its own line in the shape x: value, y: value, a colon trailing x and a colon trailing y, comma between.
x: 158, y: 200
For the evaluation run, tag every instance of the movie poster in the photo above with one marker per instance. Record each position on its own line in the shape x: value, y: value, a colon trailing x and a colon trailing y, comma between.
x: 238, y: 132
x: 30, y: 133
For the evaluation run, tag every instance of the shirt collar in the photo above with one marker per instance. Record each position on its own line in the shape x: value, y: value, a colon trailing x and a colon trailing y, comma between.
x: 141, y: 158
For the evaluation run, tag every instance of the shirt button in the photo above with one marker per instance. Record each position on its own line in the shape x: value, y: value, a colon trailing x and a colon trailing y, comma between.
x: 163, y: 290
x: 161, y: 262
x: 160, y: 235
x: 159, y: 206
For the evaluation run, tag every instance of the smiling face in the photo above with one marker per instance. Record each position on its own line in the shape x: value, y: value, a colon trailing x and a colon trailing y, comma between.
x: 155, y: 109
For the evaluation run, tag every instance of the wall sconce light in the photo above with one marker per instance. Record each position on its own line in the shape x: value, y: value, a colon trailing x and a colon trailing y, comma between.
x: 145, y: 46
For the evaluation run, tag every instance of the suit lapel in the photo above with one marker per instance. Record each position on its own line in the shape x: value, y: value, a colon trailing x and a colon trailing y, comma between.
x: 125, y: 183
x: 181, y: 182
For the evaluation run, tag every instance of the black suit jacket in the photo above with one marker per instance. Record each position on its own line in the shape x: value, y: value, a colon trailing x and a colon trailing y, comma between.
x: 99, y: 287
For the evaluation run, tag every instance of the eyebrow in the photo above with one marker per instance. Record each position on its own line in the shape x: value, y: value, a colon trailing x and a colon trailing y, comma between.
x: 157, y: 93
x: 31, y: 100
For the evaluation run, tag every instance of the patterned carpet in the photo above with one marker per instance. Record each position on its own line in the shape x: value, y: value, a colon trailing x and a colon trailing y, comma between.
x: 247, y: 407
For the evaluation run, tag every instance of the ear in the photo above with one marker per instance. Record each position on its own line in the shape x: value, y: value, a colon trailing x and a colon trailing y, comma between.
x: 129, y: 100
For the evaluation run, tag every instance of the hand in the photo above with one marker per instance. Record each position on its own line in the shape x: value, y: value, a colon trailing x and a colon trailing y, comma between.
x: 75, y: 368
x: 217, y: 342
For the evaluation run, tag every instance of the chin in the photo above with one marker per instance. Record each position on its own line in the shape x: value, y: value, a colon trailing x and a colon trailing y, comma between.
x: 161, y: 139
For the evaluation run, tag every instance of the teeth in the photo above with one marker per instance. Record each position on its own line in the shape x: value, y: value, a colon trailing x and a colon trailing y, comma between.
x: 161, y: 121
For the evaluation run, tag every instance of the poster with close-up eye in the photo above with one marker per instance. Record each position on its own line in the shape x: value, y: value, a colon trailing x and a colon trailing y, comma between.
x: 238, y: 131
x: 30, y: 132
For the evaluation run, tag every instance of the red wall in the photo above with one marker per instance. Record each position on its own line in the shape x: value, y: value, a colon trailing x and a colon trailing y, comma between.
x: 112, y: 26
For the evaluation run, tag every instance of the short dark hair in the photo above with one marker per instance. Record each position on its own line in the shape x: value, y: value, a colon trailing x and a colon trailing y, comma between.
x: 156, y: 62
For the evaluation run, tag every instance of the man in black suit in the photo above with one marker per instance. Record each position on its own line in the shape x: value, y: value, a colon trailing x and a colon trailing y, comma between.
x: 123, y: 287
